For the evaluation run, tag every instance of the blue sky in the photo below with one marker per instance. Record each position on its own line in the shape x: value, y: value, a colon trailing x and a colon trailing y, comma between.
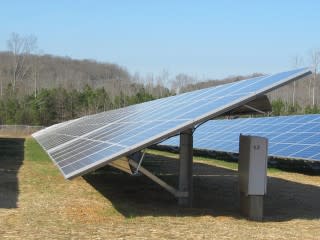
x: 207, y: 39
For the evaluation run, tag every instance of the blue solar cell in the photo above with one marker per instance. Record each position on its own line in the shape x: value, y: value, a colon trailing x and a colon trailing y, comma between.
x: 287, y: 151
x: 306, y: 127
x: 269, y: 129
x: 286, y: 127
x: 281, y: 137
x: 273, y: 148
x: 317, y: 120
x: 230, y: 146
x: 315, y: 128
x: 82, y: 154
x: 77, y: 144
x: 314, y: 139
x: 246, y: 128
x: 93, y: 158
x: 307, y: 152
x: 203, y: 144
x: 174, y: 141
x: 298, y: 137
x: 221, y: 145
x: 71, y: 151
x: 316, y: 157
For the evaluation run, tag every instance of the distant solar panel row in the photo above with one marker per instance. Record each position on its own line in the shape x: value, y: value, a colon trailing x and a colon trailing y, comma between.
x: 87, y: 143
x: 289, y: 136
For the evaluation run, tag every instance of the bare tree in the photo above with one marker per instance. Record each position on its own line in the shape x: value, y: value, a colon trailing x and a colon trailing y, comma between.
x: 149, y: 82
x: 297, y: 62
x: 1, y: 78
x: 181, y: 81
x: 20, y: 48
x: 35, y: 72
x: 315, y: 62
x: 162, y: 81
x: 1, y: 84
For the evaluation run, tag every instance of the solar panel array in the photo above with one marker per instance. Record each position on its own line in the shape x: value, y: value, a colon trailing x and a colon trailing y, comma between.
x: 87, y: 143
x: 295, y: 137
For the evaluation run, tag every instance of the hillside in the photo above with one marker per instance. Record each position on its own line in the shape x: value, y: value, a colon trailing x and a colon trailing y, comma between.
x: 27, y: 73
x: 46, y: 89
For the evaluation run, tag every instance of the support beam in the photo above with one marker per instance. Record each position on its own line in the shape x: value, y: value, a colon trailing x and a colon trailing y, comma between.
x: 185, y: 176
x: 254, y: 109
x: 157, y: 180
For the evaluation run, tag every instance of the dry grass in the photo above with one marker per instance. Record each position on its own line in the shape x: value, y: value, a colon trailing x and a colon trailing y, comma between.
x: 37, y: 203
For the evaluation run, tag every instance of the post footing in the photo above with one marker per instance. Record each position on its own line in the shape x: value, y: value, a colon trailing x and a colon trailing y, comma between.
x: 252, y: 206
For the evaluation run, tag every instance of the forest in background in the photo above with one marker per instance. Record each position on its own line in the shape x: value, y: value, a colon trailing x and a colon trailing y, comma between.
x: 41, y: 89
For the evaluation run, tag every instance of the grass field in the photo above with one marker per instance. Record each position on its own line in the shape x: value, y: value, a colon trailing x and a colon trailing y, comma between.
x: 36, y: 202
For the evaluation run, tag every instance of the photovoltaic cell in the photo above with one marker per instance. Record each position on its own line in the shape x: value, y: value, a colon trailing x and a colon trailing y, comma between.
x: 87, y: 143
x: 296, y: 137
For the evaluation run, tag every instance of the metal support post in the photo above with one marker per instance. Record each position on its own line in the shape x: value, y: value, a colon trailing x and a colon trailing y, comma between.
x: 253, y: 161
x: 185, y: 176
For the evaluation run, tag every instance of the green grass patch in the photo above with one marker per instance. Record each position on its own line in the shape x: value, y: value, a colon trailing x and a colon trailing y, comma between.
x: 42, y: 162
x: 34, y: 152
x: 162, y: 153
x: 207, y: 160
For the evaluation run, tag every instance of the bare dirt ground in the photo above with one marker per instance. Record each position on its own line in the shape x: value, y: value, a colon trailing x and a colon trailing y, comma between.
x: 37, y: 203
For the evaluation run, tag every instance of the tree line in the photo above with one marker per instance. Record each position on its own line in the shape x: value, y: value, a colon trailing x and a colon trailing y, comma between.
x: 59, y: 104
x: 41, y: 89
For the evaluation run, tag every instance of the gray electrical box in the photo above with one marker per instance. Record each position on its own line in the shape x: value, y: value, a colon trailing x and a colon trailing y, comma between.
x: 253, y: 157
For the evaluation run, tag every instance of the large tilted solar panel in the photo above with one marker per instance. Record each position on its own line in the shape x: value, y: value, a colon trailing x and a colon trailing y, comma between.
x: 296, y: 137
x: 87, y: 143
